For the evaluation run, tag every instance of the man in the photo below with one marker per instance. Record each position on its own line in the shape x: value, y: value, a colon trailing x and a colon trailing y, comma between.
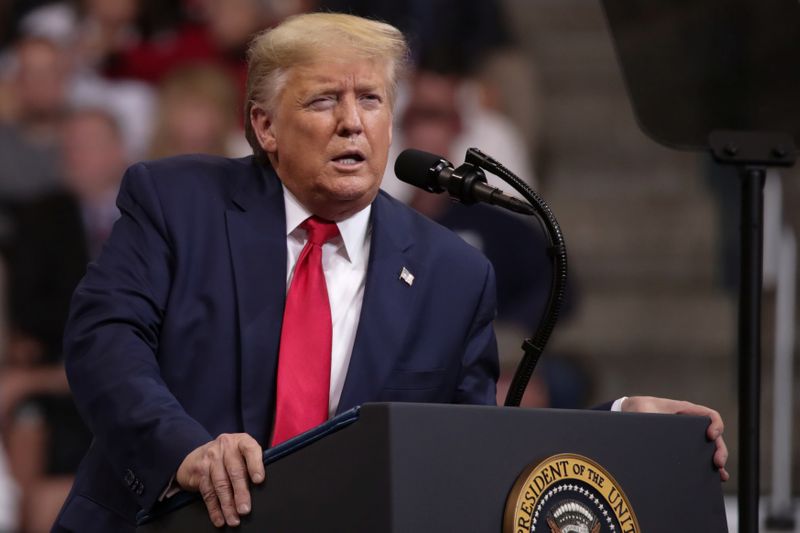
x: 186, y: 352
x: 65, y: 229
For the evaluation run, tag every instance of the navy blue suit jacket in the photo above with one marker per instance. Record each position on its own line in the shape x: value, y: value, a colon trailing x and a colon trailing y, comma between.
x: 173, y: 333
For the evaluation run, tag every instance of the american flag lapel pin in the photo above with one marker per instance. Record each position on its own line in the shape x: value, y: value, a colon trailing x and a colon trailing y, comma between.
x: 407, y: 276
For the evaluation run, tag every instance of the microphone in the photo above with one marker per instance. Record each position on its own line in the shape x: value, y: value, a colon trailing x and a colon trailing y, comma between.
x: 466, y: 184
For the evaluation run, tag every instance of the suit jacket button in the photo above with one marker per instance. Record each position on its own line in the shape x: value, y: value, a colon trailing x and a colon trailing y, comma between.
x: 128, y: 477
x: 139, y: 489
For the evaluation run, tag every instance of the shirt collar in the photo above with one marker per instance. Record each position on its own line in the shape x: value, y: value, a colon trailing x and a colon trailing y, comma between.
x: 354, y: 230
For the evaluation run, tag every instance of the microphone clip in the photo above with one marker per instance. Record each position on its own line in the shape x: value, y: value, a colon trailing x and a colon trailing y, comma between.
x: 462, y: 181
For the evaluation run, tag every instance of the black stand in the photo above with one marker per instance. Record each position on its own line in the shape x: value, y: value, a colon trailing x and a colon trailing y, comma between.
x: 723, y: 75
x: 752, y: 238
x: 751, y: 152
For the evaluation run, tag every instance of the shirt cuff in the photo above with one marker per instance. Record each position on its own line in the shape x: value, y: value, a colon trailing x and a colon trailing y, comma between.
x: 172, y: 489
x: 617, y: 405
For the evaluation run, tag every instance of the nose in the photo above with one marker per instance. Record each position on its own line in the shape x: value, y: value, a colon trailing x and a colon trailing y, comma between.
x: 349, y: 119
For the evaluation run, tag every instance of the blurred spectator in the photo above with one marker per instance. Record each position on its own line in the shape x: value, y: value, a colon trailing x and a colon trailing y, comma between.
x: 59, y: 233
x: 133, y: 103
x: 442, y: 111
x: 34, y: 101
x: 508, y: 83
x: 455, y: 33
x: 151, y: 59
x: 231, y: 23
x: 90, y: 34
x: 196, y: 114
x: 107, y: 27
x: 37, y: 99
x: 96, y: 31
x: 216, y: 31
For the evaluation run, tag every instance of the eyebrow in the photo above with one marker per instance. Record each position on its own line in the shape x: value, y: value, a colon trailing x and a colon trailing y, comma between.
x: 327, y: 83
x: 336, y: 88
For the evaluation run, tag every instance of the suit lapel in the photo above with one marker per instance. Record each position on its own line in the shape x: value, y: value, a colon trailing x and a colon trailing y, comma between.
x: 256, y: 226
x: 386, y: 309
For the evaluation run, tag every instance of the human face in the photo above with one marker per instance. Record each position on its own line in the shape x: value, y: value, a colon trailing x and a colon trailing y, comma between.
x: 328, y: 135
x: 94, y: 157
x: 41, y: 79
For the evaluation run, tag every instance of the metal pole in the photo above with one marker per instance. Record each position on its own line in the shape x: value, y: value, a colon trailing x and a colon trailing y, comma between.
x: 750, y: 345
x: 781, y: 510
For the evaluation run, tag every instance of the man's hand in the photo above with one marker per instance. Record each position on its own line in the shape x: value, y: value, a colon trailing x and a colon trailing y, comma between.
x: 649, y: 404
x: 219, y: 470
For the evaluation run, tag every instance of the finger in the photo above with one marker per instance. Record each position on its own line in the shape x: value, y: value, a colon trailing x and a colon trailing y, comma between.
x: 209, y: 496
x: 237, y: 473
x: 222, y: 487
x: 721, y: 454
x: 254, y: 456
x: 716, y: 427
x: 721, y: 459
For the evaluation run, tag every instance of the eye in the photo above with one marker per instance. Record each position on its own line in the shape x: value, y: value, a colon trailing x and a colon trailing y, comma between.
x: 371, y: 100
x: 321, y: 103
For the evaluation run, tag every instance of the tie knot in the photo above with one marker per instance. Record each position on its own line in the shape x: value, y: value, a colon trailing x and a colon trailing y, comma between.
x: 319, y: 230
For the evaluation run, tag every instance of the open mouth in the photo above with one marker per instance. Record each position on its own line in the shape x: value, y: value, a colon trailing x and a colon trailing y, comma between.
x: 349, y: 158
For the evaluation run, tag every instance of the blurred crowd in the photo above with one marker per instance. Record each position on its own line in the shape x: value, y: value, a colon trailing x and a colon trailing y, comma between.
x: 89, y: 86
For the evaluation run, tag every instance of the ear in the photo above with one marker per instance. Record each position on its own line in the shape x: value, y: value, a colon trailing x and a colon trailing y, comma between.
x: 263, y: 127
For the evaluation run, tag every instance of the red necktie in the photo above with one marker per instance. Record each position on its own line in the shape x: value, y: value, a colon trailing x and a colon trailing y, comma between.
x: 304, y: 360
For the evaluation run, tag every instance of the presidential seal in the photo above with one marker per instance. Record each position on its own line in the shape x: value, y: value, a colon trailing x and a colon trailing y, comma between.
x: 568, y: 493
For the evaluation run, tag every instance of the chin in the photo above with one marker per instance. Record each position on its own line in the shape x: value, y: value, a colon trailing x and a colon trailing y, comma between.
x: 351, y: 188
x: 342, y: 202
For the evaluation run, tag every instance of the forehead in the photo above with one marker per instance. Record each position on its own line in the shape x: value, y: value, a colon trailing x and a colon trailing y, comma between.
x: 339, y: 73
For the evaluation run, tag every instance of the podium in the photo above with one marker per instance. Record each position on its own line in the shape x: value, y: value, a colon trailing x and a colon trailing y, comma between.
x: 418, y: 468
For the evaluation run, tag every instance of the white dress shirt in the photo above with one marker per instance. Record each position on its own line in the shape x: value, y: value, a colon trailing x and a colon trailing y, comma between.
x: 344, y: 263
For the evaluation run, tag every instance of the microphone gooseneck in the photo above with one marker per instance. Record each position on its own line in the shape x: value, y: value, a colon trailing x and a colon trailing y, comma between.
x: 467, y: 184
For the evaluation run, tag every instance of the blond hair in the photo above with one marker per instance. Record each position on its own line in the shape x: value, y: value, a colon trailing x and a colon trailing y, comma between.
x: 301, y: 39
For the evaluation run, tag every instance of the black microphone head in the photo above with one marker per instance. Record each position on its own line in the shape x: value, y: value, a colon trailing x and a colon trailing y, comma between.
x: 421, y: 169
